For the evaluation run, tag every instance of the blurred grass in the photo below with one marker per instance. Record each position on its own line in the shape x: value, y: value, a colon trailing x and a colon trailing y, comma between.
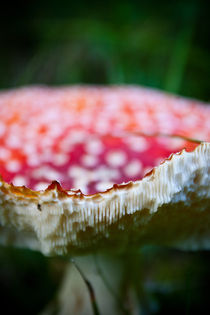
x: 157, y: 44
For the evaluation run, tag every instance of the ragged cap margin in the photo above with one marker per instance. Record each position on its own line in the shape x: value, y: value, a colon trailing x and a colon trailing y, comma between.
x: 52, y: 220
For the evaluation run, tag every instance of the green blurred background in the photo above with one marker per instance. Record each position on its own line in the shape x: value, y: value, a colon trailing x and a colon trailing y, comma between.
x: 159, y: 44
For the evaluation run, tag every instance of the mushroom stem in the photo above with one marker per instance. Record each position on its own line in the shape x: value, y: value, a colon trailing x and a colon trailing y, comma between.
x: 110, y: 288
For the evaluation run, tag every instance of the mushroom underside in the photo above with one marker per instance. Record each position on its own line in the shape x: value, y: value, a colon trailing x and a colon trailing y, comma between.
x: 101, y: 169
x: 170, y: 206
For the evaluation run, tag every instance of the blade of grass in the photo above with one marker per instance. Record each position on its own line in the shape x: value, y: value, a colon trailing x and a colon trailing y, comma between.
x: 110, y: 288
x: 181, y: 50
x: 90, y: 289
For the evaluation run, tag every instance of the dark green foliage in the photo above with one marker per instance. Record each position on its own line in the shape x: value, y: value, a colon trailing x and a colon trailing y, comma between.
x: 153, y: 43
x: 26, y: 283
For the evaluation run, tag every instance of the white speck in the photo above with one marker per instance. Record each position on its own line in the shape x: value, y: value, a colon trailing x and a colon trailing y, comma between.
x: 116, y: 158
x: 134, y: 168
x: 76, y: 171
x: 47, y: 173
x: 105, y: 174
x: 200, y: 135
x: 19, y: 180
x: 60, y: 159
x: 190, y: 120
x: 81, y: 183
x: 94, y: 146
x: 175, y: 143
x: 138, y: 144
x: 13, y: 166
x: 102, y: 186
x: 28, y: 148
x: 4, y: 154
x: 41, y: 186
x: 2, y: 129
x: 33, y: 160
x: 46, y: 155
x: 102, y: 125
x: 13, y: 141
x: 76, y: 136
x: 89, y: 160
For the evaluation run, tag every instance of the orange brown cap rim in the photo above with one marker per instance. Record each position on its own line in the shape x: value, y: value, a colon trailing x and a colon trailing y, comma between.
x: 134, y: 184
x: 59, y: 222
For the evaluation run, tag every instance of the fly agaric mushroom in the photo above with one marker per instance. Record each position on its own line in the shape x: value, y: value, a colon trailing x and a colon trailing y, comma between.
x: 86, y: 168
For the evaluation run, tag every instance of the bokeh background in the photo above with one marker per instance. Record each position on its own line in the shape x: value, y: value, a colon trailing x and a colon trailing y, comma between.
x: 159, y: 44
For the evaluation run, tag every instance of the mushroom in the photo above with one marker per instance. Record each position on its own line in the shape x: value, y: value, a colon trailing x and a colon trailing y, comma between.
x: 89, y: 169
x: 85, y: 168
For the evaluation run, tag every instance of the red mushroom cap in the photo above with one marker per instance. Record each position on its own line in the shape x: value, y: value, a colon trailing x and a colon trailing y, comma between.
x: 90, y: 148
